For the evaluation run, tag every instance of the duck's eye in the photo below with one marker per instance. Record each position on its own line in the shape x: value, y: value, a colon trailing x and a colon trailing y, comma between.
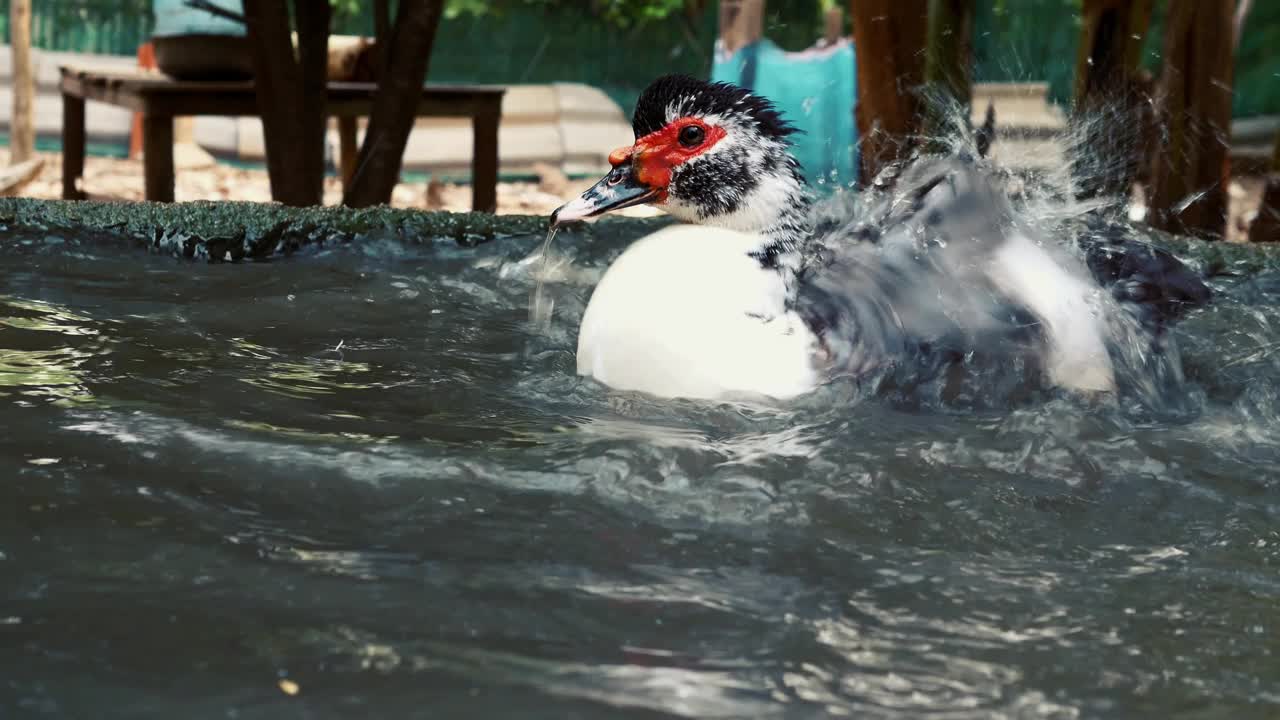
x: 692, y: 135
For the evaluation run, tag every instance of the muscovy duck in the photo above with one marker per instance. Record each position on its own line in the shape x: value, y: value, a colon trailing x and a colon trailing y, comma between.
x: 753, y: 295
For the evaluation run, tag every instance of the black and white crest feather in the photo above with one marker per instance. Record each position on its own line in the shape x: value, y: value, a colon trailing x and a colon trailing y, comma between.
x: 674, y: 96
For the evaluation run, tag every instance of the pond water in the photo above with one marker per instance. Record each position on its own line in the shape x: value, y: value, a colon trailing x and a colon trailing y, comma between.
x: 358, y: 482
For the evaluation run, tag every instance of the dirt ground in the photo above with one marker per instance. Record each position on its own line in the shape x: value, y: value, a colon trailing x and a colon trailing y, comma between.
x: 121, y: 179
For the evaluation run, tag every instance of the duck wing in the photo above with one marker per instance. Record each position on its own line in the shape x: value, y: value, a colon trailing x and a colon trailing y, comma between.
x: 1151, y: 282
x: 910, y: 276
x: 943, y: 267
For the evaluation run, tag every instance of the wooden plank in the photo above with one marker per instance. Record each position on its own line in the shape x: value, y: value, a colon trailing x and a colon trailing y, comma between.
x: 154, y: 81
x: 444, y: 90
x: 192, y: 104
x: 428, y: 106
x: 147, y: 78
x: 218, y: 103
x: 139, y: 90
x: 79, y: 87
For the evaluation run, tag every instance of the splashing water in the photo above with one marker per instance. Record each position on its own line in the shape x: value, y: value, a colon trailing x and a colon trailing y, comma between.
x: 541, y: 306
x: 543, y: 266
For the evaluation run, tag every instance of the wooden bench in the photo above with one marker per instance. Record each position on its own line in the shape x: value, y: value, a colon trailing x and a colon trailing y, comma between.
x: 160, y: 99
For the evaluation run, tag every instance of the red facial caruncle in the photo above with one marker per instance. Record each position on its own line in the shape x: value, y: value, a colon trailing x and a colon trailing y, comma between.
x: 657, y: 154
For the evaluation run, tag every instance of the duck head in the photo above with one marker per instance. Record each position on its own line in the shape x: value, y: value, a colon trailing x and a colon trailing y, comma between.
x: 706, y: 153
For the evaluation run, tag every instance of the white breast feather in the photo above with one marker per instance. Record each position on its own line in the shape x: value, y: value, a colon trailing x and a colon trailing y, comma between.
x: 686, y: 313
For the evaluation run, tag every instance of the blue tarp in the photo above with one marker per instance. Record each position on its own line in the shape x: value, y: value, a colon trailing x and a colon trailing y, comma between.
x: 816, y: 90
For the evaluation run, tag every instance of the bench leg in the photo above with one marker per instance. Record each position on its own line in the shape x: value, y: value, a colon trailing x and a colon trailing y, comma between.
x: 347, y: 149
x: 73, y: 146
x: 157, y: 157
x: 484, y: 161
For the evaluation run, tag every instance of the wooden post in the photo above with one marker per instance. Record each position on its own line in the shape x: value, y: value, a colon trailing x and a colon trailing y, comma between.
x: 157, y: 157
x: 949, y: 60
x: 889, y: 38
x: 73, y: 146
x: 22, y: 133
x: 484, y: 176
x: 741, y: 23
x: 1266, y: 226
x: 1191, y: 169
x: 1109, y: 98
x: 347, y: 149
x: 832, y: 25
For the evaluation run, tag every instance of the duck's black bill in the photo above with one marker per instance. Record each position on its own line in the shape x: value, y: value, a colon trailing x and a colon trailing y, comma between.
x: 619, y: 189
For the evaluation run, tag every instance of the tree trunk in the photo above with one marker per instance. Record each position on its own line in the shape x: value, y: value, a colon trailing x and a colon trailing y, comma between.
x: 399, y: 89
x: 1108, y: 117
x: 949, y: 61
x: 381, y: 34
x: 1191, y: 170
x: 889, y: 37
x: 1112, y: 118
x: 1242, y: 14
x: 291, y: 92
x: 1266, y: 226
x: 22, y: 133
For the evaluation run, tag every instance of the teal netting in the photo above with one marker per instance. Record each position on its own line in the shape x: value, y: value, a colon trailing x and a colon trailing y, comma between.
x: 175, y: 17
x: 109, y: 27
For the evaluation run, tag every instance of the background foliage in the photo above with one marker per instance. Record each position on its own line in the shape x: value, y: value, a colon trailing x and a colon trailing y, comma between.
x: 619, y: 45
